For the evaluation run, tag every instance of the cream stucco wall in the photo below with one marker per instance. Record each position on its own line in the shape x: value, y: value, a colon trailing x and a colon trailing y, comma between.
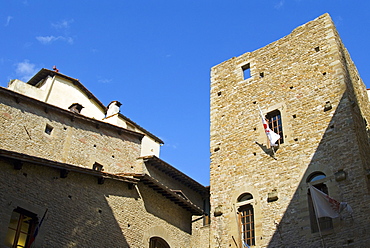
x: 61, y: 87
x: 149, y: 147
x: 53, y: 90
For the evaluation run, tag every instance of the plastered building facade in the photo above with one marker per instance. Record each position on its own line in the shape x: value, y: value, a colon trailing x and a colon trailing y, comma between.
x: 308, y: 87
x: 93, y: 173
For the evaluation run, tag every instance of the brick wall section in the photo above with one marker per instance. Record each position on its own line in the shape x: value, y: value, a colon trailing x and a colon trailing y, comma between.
x: 82, y: 213
x: 79, y: 141
x: 301, y: 73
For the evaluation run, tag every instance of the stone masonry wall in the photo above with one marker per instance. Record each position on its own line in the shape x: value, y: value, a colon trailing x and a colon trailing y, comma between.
x: 72, y: 140
x: 299, y: 75
x: 83, y: 213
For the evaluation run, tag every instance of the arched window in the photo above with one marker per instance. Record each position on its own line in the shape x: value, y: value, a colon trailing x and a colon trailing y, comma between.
x: 325, y: 223
x: 245, y: 197
x: 246, y: 219
x: 157, y: 242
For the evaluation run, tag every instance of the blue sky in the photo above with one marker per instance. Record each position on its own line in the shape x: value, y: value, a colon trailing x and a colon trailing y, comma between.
x: 155, y: 56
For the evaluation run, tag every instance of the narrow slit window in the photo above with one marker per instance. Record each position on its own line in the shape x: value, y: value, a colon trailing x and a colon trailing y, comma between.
x: 275, y: 124
x: 246, y: 71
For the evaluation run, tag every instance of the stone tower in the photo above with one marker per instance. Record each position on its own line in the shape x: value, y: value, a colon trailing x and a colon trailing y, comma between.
x: 310, y: 92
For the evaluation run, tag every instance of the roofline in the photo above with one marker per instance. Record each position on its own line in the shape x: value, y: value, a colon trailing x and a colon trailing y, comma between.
x: 167, y: 192
x: 46, y: 72
x: 47, y: 107
x: 141, y: 129
x: 174, y: 173
x: 58, y: 165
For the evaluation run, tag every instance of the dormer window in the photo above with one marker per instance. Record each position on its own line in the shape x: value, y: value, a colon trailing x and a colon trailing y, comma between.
x: 76, y: 108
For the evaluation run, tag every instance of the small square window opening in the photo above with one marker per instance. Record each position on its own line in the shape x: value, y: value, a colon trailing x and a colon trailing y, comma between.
x: 246, y: 71
x: 48, y: 129
x: 97, y: 167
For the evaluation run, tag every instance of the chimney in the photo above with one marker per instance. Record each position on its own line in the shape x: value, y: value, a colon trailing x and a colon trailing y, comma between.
x: 113, y: 108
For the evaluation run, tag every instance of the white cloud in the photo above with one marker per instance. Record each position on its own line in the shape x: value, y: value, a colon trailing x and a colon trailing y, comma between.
x: 25, y: 70
x: 8, y: 19
x: 52, y: 38
x: 279, y: 4
x: 62, y: 27
x: 105, y: 81
x: 64, y: 24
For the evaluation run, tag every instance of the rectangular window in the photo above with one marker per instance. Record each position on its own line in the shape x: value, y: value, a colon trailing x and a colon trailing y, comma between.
x: 21, y: 227
x: 246, y: 220
x: 246, y: 71
x: 275, y: 124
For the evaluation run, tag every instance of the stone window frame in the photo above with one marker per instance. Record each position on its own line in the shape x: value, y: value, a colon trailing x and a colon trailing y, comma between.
x: 250, y: 65
x: 13, y: 203
x: 158, y: 242
x: 157, y: 231
x: 255, y: 202
x: 326, y: 223
x: 274, y: 124
x: 24, y: 217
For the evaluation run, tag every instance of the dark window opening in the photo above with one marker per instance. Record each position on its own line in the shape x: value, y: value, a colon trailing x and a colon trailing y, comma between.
x: 317, y: 49
x: 48, y: 129
x: 245, y: 197
x: 21, y: 228
x: 275, y: 124
x: 325, y: 223
x: 316, y: 176
x: 97, y: 167
x: 246, y: 71
x: 76, y: 108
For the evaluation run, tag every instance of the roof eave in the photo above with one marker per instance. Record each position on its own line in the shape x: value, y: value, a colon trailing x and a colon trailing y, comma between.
x: 58, y: 165
x: 170, y: 194
x: 174, y: 173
